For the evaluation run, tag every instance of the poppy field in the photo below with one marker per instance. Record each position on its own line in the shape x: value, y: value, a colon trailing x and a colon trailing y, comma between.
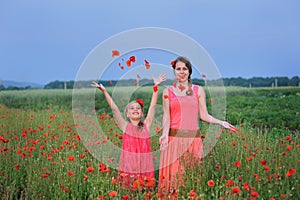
x: 43, y: 156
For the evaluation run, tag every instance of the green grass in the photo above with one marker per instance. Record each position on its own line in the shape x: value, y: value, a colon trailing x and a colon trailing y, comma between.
x: 39, y: 139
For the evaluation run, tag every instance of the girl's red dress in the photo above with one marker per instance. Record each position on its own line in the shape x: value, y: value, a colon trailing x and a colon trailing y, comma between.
x: 136, y: 162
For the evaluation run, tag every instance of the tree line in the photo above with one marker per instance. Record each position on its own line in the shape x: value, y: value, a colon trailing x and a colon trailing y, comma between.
x: 235, y: 81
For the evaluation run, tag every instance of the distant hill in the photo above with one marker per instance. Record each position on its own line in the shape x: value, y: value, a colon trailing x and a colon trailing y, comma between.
x: 8, y: 83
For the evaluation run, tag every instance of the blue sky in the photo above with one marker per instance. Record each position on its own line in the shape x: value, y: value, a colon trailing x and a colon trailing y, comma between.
x: 43, y: 41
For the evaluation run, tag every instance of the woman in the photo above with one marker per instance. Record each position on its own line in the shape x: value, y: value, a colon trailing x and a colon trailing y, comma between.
x: 180, y: 142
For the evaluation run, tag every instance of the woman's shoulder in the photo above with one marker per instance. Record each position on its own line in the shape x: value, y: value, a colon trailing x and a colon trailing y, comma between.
x: 199, y: 88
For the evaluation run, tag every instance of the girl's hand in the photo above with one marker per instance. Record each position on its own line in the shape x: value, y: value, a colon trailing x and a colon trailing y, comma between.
x: 159, y: 79
x: 163, y: 141
x: 229, y: 126
x: 100, y: 87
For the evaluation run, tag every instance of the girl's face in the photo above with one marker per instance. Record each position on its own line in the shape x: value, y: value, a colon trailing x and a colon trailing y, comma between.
x: 134, y: 111
x: 181, y: 71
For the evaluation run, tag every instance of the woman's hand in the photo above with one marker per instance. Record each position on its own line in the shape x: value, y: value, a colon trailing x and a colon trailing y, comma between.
x: 163, y: 141
x: 229, y: 126
x: 159, y: 79
x: 101, y: 87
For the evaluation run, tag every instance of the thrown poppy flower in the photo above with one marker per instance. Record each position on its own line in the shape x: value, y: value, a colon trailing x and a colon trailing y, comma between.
x: 132, y: 58
x: 110, y: 82
x: 203, y: 75
x: 115, y: 53
x: 136, y: 83
x: 147, y: 64
x: 138, y: 76
x: 128, y: 63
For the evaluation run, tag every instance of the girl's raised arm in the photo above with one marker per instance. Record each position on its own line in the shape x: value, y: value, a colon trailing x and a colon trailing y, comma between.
x: 117, y: 114
x: 151, y: 111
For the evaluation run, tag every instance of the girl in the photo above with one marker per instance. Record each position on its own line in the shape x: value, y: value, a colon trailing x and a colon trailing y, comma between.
x: 136, y: 162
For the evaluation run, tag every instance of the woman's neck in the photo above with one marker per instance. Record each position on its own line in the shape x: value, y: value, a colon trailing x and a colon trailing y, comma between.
x: 184, y: 83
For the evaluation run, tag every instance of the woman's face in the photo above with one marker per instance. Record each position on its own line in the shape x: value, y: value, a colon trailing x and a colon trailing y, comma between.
x: 134, y: 111
x: 181, y: 71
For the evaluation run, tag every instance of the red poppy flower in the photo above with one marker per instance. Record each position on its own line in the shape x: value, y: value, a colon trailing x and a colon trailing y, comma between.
x: 132, y: 58
x: 147, y: 64
x: 112, y: 194
x: 263, y: 162
x: 291, y: 172
x: 267, y: 168
x: 210, y: 183
x: 136, y: 83
x: 217, y: 167
x: 236, y: 190
x: 45, y: 175
x: 172, y: 62
x: 110, y: 82
x: 85, y: 178
x: 203, y: 75
x: 155, y: 88
x: 138, y: 76
x: 247, y: 186
x: 288, y: 138
x: 254, y: 194
x: 128, y: 63
x: 192, y: 193
x: 90, y: 169
x: 115, y: 53
x: 71, y: 173
x: 140, y: 101
x: 125, y: 197
x: 238, y: 164
x: 71, y: 158
x: 166, y: 96
x: 249, y: 159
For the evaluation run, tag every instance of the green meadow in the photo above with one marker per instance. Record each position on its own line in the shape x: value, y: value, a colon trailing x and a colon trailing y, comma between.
x: 44, y: 155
